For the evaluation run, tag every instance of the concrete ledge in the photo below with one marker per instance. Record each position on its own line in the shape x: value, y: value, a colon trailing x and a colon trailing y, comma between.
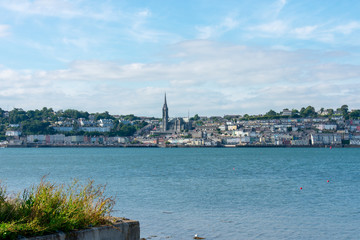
x: 122, y: 230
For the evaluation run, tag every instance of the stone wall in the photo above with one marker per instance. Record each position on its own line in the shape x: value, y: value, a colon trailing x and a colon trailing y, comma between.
x: 123, y: 230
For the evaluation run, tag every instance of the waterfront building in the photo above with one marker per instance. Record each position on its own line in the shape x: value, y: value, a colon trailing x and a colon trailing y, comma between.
x: 11, y: 133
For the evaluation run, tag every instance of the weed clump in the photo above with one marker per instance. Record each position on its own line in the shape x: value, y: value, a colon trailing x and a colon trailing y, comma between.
x: 49, y: 207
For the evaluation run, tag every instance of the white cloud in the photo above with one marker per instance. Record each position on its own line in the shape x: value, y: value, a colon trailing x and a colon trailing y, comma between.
x: 279, y: 5
x: 208, y: 78
x: 41, y: 7
x: 273, y: 28
x: 226, y: 25
x: 325, y: 32
x: 144, y: 13
x: 56, y: 8
x: 304, y: 32
x: 4, y: 30
x: 347, y: 28
x: 137, y: 28
x: 82, y: 43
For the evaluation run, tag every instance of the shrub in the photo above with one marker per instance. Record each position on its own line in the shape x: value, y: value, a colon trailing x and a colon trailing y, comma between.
x: 48, y: 208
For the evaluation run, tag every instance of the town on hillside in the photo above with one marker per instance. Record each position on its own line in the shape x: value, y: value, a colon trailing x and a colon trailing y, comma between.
x: 288, y: 128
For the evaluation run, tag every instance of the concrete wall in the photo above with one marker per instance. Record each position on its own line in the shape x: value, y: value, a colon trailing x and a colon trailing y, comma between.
x: 124, y: 230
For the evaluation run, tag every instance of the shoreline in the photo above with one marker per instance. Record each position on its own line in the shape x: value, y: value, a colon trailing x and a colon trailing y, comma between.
x: 174, y: 146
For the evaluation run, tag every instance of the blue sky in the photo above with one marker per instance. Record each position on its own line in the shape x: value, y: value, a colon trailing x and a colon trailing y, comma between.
x: 210, y: 57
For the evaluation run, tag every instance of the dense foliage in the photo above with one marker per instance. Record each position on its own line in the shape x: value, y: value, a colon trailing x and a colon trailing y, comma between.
x: 49, y: 208
x: 308, y: 112
x: 41, y: 121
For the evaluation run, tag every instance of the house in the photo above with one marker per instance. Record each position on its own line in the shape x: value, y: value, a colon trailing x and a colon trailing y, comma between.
x: 286, y: 112
x: 55, y: 139
x: 95, y: 129
x: 106, y: 123
x: 328, y: 127
x: 63, y: 129
x: 231, y: 141
x: 11, y: 133
x: 41, y: 139
x: 223, y: 127
x: 232, y: 127
x: 325, y: 139
x: 299, y: 142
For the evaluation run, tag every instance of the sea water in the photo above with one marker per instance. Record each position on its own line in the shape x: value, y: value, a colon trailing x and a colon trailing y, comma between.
x: 216, y: 193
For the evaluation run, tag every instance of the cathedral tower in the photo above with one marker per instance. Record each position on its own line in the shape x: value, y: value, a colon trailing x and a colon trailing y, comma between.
x: 165, y: 116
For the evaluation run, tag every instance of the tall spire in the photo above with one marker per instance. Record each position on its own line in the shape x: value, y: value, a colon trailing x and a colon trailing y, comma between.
x: 165, y: 115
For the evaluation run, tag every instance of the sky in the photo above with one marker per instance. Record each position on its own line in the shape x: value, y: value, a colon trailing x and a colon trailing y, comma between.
x: 212, y: 58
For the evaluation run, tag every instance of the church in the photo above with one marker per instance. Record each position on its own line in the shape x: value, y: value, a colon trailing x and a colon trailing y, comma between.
x: 175, y: 125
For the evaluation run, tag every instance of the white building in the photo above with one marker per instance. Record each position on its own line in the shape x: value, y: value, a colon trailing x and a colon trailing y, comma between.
x: 286, y: 112
x: 36, y: 139
x: 56, y: 139
x: 106, y: 123
x: 329, y: 127
x: 95, y: 129
x: 325, y: 139
x: 63, y: 129
x: 12, y: 133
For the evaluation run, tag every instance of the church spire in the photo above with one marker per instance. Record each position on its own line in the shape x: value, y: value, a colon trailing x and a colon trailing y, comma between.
x: 165, y: 115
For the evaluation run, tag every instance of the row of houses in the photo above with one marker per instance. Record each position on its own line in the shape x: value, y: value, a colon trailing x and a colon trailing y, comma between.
x: 314, y: 140
x: 59, y: 139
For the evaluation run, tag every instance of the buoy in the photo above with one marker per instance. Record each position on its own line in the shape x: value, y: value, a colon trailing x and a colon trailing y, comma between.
x: 328, y: 181
x: 300, y: 188
x: 197, y: 237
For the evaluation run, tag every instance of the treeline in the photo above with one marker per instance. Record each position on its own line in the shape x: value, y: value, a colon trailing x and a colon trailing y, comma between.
x: 308, y: 112
x: 42, y: 121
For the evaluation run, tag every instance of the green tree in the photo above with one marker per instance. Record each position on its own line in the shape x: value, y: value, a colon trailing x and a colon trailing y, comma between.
x: 295, y: 113
x: 330, y: 112
x: 271, y: 114
x: 104, y: 115
x: 345, y: 111
x: 195, y: 118
x: 140, y: 124
x: 75, y: 114
x: 17, y: 115
x: 130, y: 117
x: 36, y: 127
x: 199, y: 123
x: 123, y: 130
x: 355, y: 114
x: 308, y: 112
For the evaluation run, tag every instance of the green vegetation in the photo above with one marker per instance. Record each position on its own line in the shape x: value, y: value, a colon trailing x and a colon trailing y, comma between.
x: 104, y: 115
x: 48, y: 208
x: 355, y: 114
x: 195, y: 118
x: 130, y: 117
x: 41, y: 122
x: 73, y: 114
x: 308, y: 112
x: 123, y: 130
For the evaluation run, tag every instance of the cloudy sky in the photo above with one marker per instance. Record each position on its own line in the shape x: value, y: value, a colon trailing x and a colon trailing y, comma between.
x: 210, y: 57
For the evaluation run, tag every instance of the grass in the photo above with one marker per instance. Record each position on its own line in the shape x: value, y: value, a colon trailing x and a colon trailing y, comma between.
x: 48, y: 208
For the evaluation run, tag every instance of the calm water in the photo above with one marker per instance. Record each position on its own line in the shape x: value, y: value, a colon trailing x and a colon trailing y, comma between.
x: 217, y: 193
